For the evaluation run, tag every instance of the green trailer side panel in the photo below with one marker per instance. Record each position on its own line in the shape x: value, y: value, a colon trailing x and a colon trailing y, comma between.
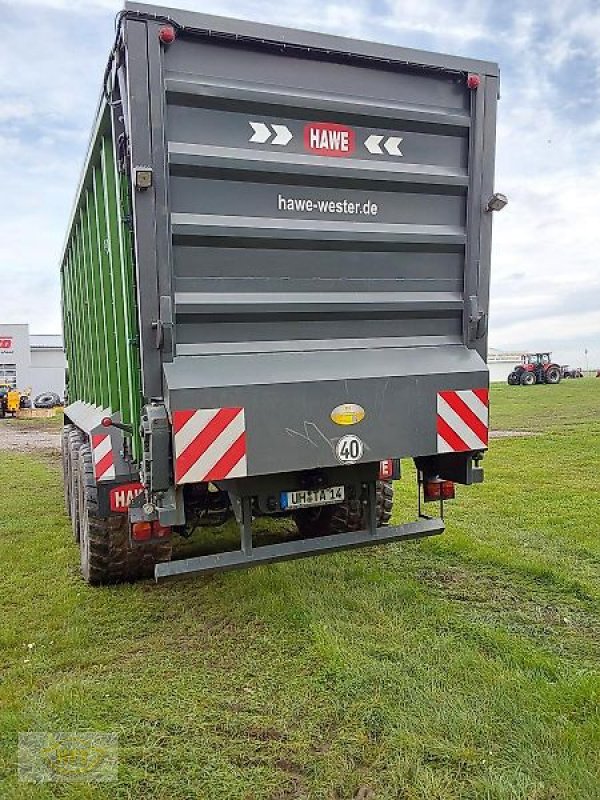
x: 98, y: 289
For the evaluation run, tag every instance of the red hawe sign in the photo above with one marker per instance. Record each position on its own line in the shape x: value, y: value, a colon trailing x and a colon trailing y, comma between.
x: 122, y: 496
x: 6, y: 343
x: 329, y: 139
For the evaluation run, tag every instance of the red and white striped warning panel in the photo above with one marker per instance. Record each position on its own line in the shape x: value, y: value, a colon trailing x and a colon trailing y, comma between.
x: 462, y: 420
x: 103, y: 457
x: 209, y: 444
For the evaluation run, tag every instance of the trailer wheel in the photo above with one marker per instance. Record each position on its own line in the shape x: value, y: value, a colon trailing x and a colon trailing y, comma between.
x: 344, y: 517
x: 75, y: 440
x: 106, y: 553
x: 385, y: 502
x: 67, y: 428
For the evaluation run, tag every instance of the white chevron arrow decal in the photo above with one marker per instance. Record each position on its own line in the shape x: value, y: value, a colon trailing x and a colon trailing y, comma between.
x: 261, y: 132
x: 283, y: 135
x: 373, y: 144
x: 392, y: 145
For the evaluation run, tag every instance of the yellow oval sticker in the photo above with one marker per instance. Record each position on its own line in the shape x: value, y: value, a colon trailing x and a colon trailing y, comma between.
x: 348, y: 414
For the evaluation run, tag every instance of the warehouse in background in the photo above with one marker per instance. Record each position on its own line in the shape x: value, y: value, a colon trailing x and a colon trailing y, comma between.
x: 500, y: 363
x: 31, y: 361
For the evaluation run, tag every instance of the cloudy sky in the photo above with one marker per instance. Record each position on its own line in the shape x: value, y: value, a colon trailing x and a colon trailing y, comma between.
x: 546, y: 275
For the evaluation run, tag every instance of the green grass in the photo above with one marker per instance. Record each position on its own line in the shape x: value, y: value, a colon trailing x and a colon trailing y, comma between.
x: 536, y: 408
x: 465, y: 666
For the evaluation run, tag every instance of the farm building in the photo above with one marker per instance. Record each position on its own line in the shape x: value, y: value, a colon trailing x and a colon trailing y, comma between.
x: 31, y: 361
x: 501, y: 363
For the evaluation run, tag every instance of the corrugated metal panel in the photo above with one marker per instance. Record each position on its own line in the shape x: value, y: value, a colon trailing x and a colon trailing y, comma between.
x: 98, y: 288
x: 274, y: 242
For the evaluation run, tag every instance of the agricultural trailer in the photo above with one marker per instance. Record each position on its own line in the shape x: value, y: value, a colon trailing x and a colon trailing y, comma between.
x: 275, y: 286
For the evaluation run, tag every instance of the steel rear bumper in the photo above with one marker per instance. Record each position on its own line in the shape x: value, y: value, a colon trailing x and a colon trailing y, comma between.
x: 300, y: 548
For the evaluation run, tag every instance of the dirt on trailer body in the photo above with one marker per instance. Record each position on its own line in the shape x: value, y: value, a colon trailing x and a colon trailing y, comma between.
x: 23, y: 437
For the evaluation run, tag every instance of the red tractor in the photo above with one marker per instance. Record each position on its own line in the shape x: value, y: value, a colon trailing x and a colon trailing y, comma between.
x: 535, y: 368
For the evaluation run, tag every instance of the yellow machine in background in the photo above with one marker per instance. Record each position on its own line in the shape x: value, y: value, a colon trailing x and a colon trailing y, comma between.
x: 11, y: 400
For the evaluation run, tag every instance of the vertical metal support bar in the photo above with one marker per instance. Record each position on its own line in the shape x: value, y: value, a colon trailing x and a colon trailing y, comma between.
x: 140, y: 146
x: 156, y: 55
x: 246, y: 526
x: 99, y: 310
x: 474, y: 206
x: 122, y: 334
x: 118, y: 189
x: 88, y: 328
x: 65, y: 303
x: 487, y: 189
x: 90, y: 304
x: 70, y: 322
x: 80, y: 313
x: 372, y: 506
x: 130, y: 294
x: 75, y: 313
x: 108, y: 306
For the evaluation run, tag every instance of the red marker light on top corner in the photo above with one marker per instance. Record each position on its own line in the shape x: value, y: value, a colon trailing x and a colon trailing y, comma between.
x: 167, y: 34
x: 473, y: 81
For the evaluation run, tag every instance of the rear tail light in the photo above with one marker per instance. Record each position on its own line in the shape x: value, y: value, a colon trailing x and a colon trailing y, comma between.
x: 160, y: 531
x: 436, y: 489
x: 448, y: 490
x: 144, y: 531
x: 141, y: 531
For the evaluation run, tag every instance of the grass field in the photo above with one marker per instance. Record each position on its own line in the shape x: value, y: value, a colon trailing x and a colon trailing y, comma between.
x: 465, y: 666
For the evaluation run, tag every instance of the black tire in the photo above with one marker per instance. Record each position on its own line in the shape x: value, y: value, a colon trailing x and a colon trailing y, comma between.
x: 553, y: 375
x: 47, y: 400
x: 527, y: 378
x: 385, y: 502
x: 344, y: 517
x: 66, y: 466
x: 75, y: 440
x: 105, y: 551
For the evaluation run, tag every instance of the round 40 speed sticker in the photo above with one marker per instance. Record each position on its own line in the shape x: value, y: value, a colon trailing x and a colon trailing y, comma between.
x: 349, y: 449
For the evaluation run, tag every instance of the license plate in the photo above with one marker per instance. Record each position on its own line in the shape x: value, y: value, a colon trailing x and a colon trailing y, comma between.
x: 304, y: 498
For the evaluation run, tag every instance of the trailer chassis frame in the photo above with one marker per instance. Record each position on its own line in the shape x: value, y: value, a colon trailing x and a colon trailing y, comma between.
x: 248, y: 555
